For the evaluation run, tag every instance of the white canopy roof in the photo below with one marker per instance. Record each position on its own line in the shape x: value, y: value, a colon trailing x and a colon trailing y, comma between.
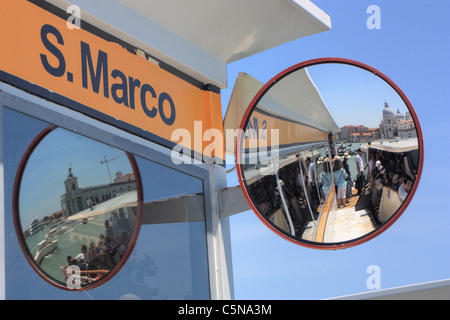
x: 199, y: 37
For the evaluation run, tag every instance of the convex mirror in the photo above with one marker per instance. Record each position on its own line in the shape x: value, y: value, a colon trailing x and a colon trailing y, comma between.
x: 330, y: 153
x: 77, y: 205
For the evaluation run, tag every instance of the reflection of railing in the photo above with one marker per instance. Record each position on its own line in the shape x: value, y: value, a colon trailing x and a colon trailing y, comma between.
x: 87, y: 276
x: 307, y: 195
x: 94, y: 272
x: 283, y: 201
x: 319, y: 232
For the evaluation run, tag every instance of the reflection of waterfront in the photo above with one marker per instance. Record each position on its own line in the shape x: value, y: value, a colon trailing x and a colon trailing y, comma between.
x: 68, y: 245
x: 75, y: 233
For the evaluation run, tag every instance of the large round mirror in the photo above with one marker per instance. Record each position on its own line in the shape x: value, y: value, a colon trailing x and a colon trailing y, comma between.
x: 330, y: 153
x: 76, y: 208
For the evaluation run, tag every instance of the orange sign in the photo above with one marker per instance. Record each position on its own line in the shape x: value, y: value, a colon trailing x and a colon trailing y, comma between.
x: 90, y: 74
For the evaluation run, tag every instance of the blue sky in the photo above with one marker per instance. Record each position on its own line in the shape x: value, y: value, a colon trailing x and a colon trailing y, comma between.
x: 412, y: 49
x: 354, y: 96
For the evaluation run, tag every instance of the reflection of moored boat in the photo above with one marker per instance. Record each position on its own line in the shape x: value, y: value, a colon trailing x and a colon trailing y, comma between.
x: 45, y: 247
x: 56, y: 232
x: 34, y: 226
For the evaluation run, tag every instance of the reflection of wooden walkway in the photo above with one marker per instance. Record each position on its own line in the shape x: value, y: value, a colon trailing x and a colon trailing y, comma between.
x: 352, y: 201
x: 323, y: 216
x: 338, y: 225
x: 345, y: 223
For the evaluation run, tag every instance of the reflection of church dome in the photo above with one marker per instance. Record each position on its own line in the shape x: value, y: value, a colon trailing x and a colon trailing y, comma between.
x: 399, y: 115
x: 387, y: 112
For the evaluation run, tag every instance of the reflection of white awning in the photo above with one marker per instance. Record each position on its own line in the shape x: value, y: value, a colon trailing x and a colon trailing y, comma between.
x: 245, y: 88
x: 123, y: 200
x: 402, y: 145
x: 295, y: 97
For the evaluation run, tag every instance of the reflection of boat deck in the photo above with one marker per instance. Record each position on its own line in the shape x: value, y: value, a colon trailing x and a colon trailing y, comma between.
x: 348, y: 224
x: 45, y: 247
x: 342, y: 224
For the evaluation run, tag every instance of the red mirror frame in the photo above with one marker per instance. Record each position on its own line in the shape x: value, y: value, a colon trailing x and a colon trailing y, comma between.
x: 254, y: 103
x: 18, y: 226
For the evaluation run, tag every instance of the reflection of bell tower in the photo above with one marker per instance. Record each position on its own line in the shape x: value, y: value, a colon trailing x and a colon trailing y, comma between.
x: 71, y: 182
x: 71, y: 201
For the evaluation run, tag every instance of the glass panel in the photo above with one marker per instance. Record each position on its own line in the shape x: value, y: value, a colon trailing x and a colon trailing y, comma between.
x: 75, y: 222
x: 174, y: 248
x: 169, y: 260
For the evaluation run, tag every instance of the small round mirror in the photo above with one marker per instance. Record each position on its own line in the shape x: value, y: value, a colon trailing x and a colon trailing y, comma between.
x: 76, y: 208
x: 330, y: 153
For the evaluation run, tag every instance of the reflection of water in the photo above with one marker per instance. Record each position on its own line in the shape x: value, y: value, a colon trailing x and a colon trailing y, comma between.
x: 69, y: 242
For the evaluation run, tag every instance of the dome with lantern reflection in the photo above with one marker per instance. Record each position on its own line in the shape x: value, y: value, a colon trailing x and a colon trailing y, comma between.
x: 387, y: 111
x: 390, y: 121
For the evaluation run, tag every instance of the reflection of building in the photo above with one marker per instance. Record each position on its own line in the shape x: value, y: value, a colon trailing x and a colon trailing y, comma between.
x: 123, y: 177
x: 396, y: 125
x: 358, y: 133
x: 77, y: 199
x: 407, y: 129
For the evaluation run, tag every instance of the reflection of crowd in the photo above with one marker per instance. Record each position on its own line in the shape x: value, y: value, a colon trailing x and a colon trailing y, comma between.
x: 107, y: 252
x: 336, y: 171
x: 304, y: 191
x: 383, y: 169
x: 387, y: 169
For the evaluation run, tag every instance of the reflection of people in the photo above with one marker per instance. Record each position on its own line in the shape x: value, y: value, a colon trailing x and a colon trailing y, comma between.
x: 101, y: 245
x: 405, y: 188
x: 92, y: 252
x: 396, y: 182
x: 312, y: 182
x: 379, y: 180
x: 340, y: 180
x: 379, y: 174
x: 82, y: 255
x: 104, y: 261
x: 108, y: 231
x: 371, y: 165
x: 326, y: 178
x: 311, y: 173
x: 122, y: 223
x: 346, y: 167
x: 359, y: 171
